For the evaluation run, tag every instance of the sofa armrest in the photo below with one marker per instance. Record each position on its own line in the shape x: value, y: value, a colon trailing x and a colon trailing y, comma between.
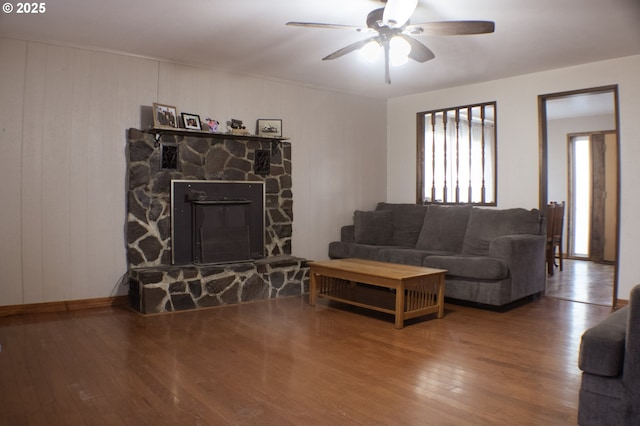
x: 632, y: 349
x: 348, y: 234
x: 602, y: 346
x: 525, y: 256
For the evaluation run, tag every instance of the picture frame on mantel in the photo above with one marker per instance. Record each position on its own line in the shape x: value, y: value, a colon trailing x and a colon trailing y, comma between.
x: 191, y: 121
x: 164, y: 116
x: 269, y: 128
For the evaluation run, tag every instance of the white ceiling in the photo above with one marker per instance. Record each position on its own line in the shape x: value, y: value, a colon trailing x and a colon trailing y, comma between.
x: 250, y: 37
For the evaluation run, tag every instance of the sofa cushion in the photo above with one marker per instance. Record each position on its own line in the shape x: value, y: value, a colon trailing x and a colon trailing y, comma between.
x: 366, y: 251
x: 476, y: 267
x: 348, y: 233
x: 444, y: 228
x: 487, y: 224
x: 339, y: 249
x: 373, y: 227
x: 407, y: 222
x: 406, y: 256
x: 602, y: 346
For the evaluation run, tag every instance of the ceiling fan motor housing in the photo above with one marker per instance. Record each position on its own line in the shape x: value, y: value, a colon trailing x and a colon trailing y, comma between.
x: 374, y: 18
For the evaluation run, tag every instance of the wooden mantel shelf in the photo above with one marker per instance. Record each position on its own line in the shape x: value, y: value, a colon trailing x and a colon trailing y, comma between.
x: 158, y: 132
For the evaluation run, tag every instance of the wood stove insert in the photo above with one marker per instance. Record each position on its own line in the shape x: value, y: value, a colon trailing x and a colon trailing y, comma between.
x: 216, y: 221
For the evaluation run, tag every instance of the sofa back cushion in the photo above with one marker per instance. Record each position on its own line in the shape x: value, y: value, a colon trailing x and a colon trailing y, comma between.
x: 444, y: 228
x: 485, y: 225
x: 407, y: 222
x: 373, y: 227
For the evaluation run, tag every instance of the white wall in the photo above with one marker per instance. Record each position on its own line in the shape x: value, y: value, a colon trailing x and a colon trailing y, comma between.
x: 64, y: 113
x: 518, y: 159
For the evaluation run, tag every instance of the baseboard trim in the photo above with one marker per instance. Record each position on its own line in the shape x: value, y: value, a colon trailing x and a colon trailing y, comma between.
x: 63, y: 306
x: 621, y: 303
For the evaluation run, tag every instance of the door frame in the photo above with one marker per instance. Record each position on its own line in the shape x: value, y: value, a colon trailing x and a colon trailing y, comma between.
x: 543, y: 159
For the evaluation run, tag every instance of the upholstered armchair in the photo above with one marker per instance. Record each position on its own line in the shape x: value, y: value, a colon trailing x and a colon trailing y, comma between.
x: 610, y: 364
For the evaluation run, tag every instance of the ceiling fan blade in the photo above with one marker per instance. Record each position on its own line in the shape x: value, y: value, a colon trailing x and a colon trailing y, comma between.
x: 329, y: 26
x: 397, y: 12
x: 348, y: 49
x: 419, y: 52
x: 446, y: 28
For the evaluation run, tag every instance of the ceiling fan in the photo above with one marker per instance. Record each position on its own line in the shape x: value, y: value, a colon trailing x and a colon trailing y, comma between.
x: 393, y: 33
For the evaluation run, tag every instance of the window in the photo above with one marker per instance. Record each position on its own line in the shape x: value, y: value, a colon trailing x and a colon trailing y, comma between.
x: 457, y: 155
x: 580, y: 190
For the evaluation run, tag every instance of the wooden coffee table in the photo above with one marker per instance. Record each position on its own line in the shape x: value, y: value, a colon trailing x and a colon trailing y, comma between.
x: 418, y: 290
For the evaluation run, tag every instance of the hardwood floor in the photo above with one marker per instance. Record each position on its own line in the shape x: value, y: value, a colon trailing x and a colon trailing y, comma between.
x: 283, y: 362
x: 582, y: 281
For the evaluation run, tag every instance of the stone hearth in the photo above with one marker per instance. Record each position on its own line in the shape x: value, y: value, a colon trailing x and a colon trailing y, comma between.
x: 169, y: 288
x: 158, y: 286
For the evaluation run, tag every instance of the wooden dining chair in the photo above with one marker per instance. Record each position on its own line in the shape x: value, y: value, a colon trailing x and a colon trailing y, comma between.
x: 550, y: 249
x: 557, y: 240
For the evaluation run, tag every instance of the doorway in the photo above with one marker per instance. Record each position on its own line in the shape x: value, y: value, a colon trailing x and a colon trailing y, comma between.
x: 572, y: 124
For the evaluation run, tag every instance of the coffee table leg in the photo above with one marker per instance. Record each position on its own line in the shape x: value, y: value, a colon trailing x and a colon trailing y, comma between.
x: 313, y: 288
x: 400, y: 307
x: 441, y: 296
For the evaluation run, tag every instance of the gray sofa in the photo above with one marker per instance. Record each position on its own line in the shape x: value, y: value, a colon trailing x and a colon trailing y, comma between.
x: 610, y: 364
x: 492, y: 256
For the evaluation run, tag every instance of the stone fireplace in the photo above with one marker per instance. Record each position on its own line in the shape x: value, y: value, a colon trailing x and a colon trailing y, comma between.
x: 201, y: 248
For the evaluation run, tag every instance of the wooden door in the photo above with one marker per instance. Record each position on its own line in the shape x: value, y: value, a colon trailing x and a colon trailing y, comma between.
x: 598, y: 195
x: 604, y: 197
x: 611, y: 197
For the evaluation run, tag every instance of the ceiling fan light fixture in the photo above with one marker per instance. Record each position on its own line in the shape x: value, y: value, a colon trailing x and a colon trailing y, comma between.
x: 371, y: 51
x: 399, y: 50
x: 397, y: 12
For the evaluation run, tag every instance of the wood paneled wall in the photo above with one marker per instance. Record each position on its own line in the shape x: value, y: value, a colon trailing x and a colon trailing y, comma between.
x: 64, y: 113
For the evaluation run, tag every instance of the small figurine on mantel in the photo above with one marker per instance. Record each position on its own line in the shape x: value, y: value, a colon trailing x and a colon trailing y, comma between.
x: 236, y: 127
x: 214, y: 125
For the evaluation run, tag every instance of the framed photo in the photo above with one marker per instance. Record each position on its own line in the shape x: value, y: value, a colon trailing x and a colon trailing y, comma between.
x: 270, y: 128
x: 191, y: 121
x: 164, y: 116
